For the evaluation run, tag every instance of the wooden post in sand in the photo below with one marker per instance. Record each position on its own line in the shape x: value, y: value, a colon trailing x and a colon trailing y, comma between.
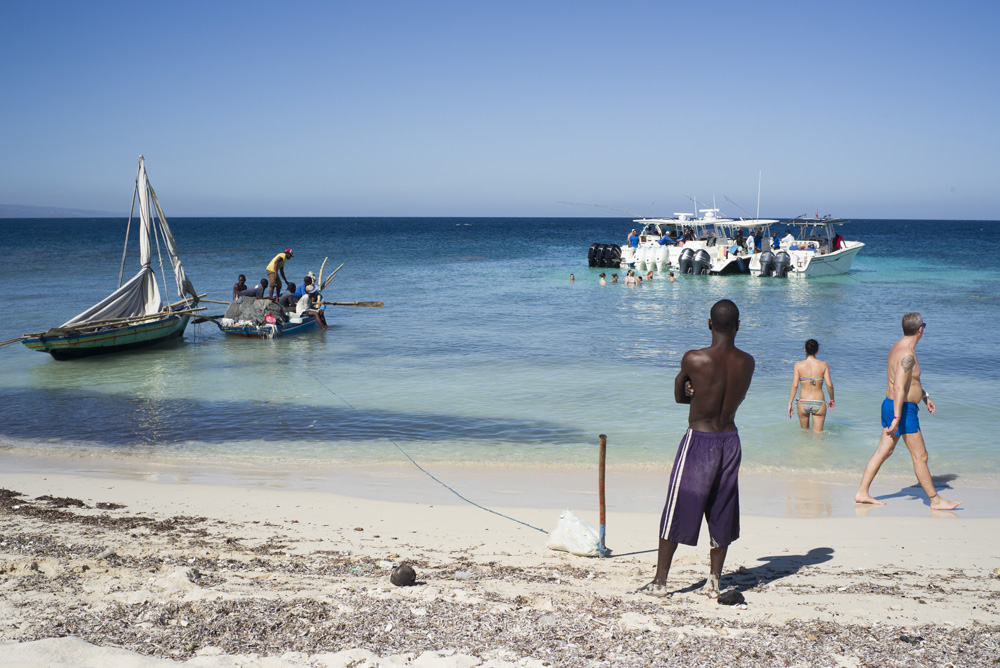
x: 602, y: 550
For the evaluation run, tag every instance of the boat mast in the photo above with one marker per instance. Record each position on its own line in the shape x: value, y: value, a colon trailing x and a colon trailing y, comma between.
x: 760, y: 175
x: 128, y: 226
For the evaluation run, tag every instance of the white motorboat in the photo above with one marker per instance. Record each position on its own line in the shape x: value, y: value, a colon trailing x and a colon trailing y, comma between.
x: 704, y: 245
x: 649, y: 254
x: 817, y: 250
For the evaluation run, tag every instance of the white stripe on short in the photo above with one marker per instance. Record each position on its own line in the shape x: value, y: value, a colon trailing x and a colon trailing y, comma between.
x: 672, y: 494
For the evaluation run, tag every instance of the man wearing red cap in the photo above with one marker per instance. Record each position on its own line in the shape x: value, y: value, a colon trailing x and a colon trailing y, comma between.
x: 275, y: 267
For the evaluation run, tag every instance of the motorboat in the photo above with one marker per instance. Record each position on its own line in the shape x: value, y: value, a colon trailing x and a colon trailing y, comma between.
x: 708, y: 244
x: 817, y: 250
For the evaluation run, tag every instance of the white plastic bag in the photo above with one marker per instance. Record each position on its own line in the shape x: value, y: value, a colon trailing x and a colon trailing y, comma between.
x: 575, y: 536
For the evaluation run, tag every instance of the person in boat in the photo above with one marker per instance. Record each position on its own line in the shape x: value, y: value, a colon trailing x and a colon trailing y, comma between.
x: 666, y: 239
x: 311, y: 303
x: 740, y: 240
x: 304, y: 287
x: 838, y: 242
x: 775, y: 242
x: 751, y: 245
x: 788, y: 239
x: 633, y: 239
x: 257, y: 291
x: 241, y: 285
x: 275, y: 267
x: 287, y: 299
x: 808, y: 378
x: 903, y: 394
x: 704, y: 481
x: 688, y: 235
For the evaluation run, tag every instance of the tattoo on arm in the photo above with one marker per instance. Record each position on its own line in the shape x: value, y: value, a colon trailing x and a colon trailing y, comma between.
x: 908, y: 363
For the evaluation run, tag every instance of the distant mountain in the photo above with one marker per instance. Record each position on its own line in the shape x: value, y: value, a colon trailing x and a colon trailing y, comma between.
x: 20, y: 211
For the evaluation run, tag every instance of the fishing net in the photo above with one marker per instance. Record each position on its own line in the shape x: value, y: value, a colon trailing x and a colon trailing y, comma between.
x: 248, y: 310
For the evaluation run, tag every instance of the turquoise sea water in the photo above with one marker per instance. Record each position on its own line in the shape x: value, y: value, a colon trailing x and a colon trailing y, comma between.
x: 485, y: 354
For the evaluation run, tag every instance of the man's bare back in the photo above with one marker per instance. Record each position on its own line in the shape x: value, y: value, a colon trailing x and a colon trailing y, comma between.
x: 714, y: 381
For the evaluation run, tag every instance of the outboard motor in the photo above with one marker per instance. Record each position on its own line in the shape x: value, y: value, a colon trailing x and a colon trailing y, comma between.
x: 767, y: 264
x: 592, y: 255
x: 602, y: 250
x: 685, y: 260
x: 612, y: 256
x: 782, y: 263
x: 702, y: 262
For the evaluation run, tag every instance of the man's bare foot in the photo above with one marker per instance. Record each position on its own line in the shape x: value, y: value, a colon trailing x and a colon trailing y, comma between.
x: 653, y: 589
x: 711, y: 588
x: 867, y: 498
x: 940, y: 503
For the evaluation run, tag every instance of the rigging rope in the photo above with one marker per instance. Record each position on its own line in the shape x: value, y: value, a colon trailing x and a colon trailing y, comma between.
x: 421, y: 468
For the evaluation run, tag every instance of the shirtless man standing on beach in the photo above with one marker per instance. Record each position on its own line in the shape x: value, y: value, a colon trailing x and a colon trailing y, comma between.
x: 704, y: 479
x: 903, y: 394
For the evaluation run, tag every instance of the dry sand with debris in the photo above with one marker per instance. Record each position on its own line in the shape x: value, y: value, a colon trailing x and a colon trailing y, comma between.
x: 110, y: 572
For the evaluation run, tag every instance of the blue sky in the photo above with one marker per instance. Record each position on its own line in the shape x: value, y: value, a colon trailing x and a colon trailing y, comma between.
x: 858, y: 109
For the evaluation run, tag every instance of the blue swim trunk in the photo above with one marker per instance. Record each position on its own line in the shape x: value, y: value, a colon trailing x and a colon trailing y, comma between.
x: 908, y: 422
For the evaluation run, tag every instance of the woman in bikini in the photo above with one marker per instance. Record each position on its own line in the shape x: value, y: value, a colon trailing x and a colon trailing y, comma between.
x: 811, y: 374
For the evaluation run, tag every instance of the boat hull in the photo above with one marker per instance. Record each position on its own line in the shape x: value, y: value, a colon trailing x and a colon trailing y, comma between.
x: 111, y: 340
x: 267, y: 331
x: 834, y: 264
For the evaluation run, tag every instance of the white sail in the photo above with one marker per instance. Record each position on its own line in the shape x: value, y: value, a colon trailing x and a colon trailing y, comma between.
x: 140, y: 296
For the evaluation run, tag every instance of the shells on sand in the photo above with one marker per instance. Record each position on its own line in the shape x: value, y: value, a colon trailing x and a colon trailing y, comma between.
x: 403, y: 576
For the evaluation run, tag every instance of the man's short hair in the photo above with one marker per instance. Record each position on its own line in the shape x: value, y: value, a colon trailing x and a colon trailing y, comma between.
x: 725, y: 315
x: 912, y: 323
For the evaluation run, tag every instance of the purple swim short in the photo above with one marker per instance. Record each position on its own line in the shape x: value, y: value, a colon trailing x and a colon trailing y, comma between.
x: 704, y: 482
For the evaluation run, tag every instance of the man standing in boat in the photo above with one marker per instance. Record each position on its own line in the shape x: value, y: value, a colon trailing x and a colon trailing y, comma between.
x: 903, y: 394
x: 704, y: 481
x: 275, y: 267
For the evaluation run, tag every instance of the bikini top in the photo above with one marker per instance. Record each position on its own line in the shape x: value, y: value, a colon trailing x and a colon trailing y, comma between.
x: 812, y: 381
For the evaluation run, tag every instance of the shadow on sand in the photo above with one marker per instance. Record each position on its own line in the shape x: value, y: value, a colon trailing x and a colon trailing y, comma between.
x: 916, y: 492
x: 774, y: 568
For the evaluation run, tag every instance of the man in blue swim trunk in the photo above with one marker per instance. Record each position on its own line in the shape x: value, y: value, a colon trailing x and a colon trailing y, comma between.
x: 704, y: 480
x: 903, y: 394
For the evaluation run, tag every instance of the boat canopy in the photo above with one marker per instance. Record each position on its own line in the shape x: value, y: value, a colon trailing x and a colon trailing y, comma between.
x: 140, y: 296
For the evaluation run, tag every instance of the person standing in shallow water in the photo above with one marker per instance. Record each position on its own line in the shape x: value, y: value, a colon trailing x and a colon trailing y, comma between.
x: 704, y: 481
x: 903, y: 394
x: 812, y: 374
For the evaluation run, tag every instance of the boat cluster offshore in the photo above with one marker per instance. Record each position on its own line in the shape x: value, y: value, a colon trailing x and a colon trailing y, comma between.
x: 718, y: 245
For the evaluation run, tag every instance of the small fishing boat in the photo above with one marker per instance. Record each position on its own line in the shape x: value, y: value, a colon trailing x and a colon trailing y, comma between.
x: 134, y: 315
x: 262, y: 319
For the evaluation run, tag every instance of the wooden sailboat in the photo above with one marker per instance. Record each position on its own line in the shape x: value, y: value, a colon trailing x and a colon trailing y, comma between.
x: 134, y: 315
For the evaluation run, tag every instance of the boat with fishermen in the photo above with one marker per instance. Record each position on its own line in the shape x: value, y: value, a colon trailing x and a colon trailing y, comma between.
x: 135, y: 314
x: 817, y: 250
x: 262, y: 318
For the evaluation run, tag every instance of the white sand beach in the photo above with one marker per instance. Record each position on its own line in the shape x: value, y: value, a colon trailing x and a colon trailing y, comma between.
x: 106, y: 570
